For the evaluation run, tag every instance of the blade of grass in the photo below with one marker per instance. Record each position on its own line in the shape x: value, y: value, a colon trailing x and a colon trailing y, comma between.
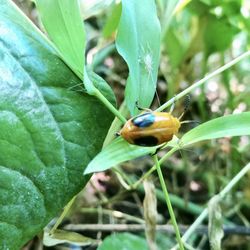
x: 230, y: 125
x: 63, y: 23
x: 116, y: 152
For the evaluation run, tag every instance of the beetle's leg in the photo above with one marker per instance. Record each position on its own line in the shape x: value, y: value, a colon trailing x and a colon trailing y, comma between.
x: 157, y: 98
x: 117, y: 134
x: 140, y: 108
x: 158, y: 149
x: 186, y: 106
x: 173, y: 105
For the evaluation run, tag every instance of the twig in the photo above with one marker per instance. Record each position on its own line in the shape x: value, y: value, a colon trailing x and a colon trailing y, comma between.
x: 203, y: 80
x: 202, y: 229
x: 114, y: 213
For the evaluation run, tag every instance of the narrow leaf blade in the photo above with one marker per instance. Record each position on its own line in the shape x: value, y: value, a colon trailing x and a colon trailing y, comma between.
x: 138, y: 42
x: 62, y: 21
x: 116, y: 152
x: 230, y: 125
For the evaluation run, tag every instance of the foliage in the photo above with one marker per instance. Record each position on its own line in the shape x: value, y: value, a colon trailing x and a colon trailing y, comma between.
x: 52, y: 125
x: 49, y: 132
x: 125, y: 241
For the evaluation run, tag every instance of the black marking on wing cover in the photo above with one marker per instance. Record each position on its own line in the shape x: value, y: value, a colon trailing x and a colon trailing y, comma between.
x: 146, y: 141
x: 144, y: 120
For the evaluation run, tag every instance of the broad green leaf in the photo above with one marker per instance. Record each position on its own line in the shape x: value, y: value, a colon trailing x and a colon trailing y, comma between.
x: 116, y: 152
x: 48, y: 131
x: 63, y: 23
x: 123, y: 241
x: 226, y: 126
x: 138, y: 42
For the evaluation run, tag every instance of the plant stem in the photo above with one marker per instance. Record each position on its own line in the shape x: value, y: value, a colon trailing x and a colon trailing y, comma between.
x: 170, y: 209
x: 203, y: 80
x: 116, y: 124
x: 221, y: 195
x: 100, y: 96
x: 63, y: 214
x: 152, y: 169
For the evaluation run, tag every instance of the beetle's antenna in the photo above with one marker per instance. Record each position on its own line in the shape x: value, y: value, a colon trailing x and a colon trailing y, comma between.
x: 190, y: 121
x: 186, y: 106
x: 157, y: 97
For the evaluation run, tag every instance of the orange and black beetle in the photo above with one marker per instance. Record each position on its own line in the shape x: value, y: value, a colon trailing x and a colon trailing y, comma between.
x: 150, y: 128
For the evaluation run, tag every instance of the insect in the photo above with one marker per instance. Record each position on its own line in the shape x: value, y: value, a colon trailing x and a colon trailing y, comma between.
x: 152, y: 128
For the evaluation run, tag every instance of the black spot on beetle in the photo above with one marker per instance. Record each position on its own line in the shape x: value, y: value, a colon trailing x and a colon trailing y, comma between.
x: 144, y: 120
x: 146, y: 141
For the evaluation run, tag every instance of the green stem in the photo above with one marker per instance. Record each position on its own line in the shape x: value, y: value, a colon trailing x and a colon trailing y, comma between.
x: 203, y: 80
x: 170, y: 209
x: 221, y: 195
x: 116, y: 125
x: 100, y: 96
x: 92, y: 90
x: 63, y: 214
x: 152, y: 169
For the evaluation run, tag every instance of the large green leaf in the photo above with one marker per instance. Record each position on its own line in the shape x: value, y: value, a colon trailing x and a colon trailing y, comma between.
x: 48, y: 131
x: 138, y: 42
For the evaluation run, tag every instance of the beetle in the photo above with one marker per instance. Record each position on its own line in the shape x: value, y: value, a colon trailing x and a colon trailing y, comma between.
x: 150, y: 128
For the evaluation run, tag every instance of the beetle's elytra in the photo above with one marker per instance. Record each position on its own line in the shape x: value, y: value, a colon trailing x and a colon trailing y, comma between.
x: 150, y: 129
